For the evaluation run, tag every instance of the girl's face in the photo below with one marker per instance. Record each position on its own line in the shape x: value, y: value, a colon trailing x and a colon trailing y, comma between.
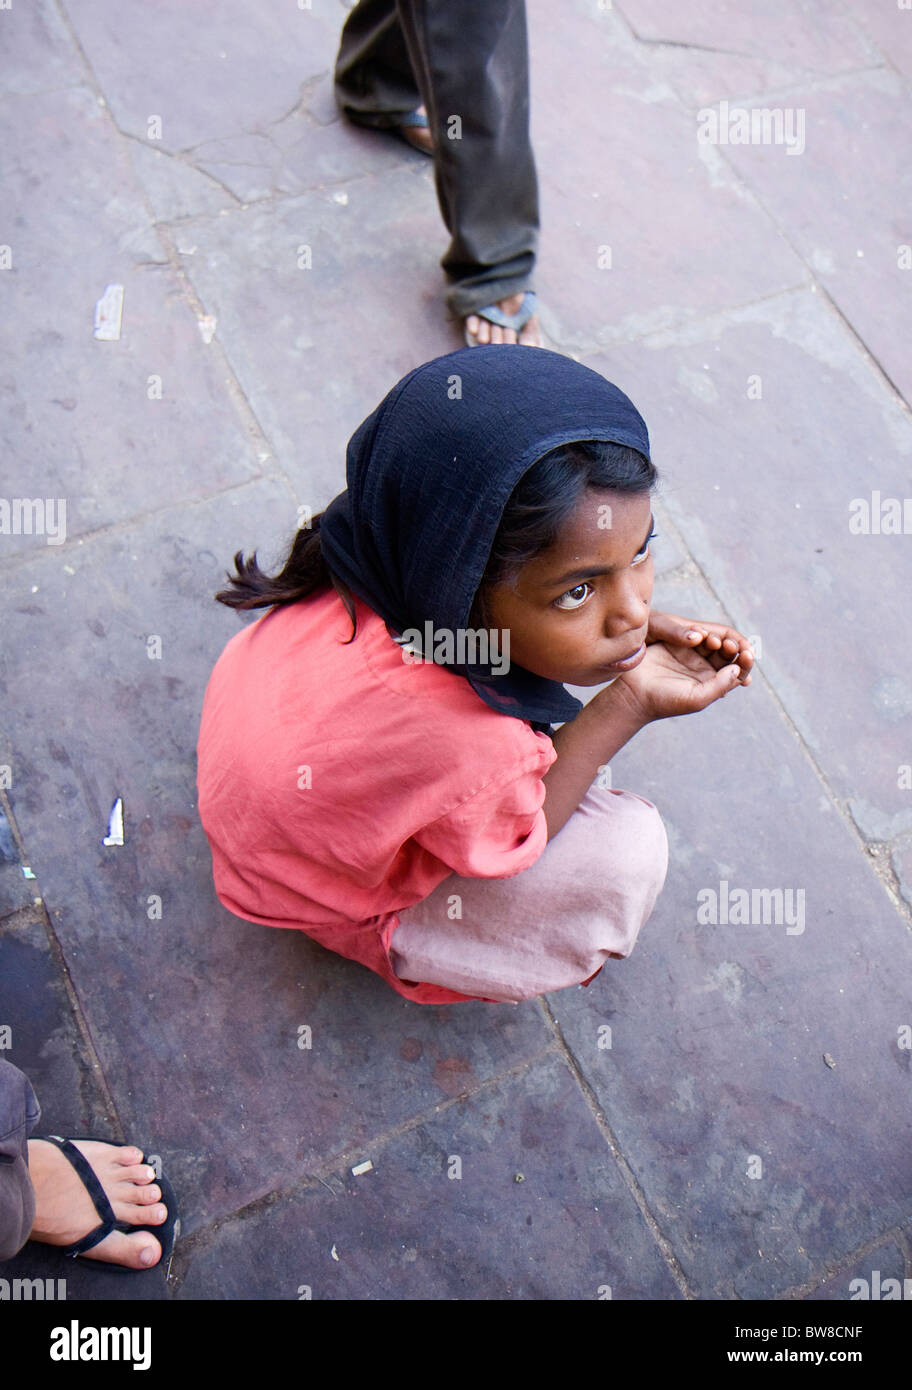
x: 578, y: 612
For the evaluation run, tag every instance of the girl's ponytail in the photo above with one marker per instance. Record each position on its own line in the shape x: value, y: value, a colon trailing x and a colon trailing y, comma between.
x: 305, y: 572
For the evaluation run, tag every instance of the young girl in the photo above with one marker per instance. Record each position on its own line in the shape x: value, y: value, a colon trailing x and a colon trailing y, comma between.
x: 377, y: 763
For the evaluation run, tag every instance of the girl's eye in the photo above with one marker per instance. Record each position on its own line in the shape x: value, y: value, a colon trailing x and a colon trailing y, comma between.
x: 644, y: 553
x: 578, y: 591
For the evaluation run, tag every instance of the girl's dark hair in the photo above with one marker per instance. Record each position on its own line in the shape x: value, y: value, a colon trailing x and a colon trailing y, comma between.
x: 304, y: 573
x: 545, y: 498
x: 539, y: 505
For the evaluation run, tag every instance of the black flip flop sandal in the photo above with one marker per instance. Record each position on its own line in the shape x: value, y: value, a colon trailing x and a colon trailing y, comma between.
x: 166, y: 1234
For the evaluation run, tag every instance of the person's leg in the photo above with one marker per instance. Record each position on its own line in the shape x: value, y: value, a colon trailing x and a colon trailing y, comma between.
x: 554, y: 925
x: 373, y: 75
x: 470, y: 61
x: 43, y: 1198
x: 19, y: 1112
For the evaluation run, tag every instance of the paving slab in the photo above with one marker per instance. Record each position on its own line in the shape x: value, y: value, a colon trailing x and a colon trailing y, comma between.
x: 844, y: 203
x: 866, y: 1281
x: 763, y: 1107
x: 44, y: 1040
x: 176, y: 188
x: 511, y: 1194
x: 302, y: 288
x: 16, y: 889
x: 194, y: 66
x: 902, y: 867
x: 762, y: 487
x: 715, y: 50
x: 301, y: 153
x: 39, y: 52
x: 889, y: 27
x: 639, y: 230
x: 92, y: 421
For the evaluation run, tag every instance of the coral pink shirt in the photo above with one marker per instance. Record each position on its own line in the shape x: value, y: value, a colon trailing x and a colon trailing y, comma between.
x: 340, y: 782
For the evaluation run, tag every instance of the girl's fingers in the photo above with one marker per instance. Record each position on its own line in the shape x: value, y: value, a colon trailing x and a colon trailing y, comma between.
x: 715, y: 689
x: 709, y: 639
x: 728, y: 678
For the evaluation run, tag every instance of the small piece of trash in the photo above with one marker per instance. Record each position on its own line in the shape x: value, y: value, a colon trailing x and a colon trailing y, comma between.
x: 333, y: 1253
x: 115, y: 835
x: 340, y: 198
x: 828, y: 1059
x: 26, y: 872
x: 364, y: 1167
x: 108, y: 312
x: 518, y: 1177
x: 207, y: 327
x: 186, y: 250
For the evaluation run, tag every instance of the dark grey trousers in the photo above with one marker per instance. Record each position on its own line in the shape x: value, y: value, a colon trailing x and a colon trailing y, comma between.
x: 469, y: 60
x: 19, y: 1111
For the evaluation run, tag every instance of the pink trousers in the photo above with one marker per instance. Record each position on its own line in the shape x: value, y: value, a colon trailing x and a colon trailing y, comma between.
x: 582, y: 902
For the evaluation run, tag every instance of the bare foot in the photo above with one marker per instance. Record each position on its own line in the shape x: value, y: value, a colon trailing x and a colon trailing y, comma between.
x: 64, y: 1211
x: 419, y: 136
x: 487, y: 332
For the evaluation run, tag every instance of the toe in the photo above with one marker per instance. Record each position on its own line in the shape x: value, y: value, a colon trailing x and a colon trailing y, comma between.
x: 143, y: 1196
x: 140, y: 1173
x: 129, y: 1156
x: 140, y: 1251
x: 136, y: 1214
x: 530, y: 333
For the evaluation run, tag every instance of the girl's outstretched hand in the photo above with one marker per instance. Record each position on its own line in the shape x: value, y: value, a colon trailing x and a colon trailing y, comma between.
x: 672, y: 680
x: 719, y: 644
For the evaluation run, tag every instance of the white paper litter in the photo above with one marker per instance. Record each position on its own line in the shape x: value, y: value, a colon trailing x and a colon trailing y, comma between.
x: 26, y: 872
x: 207, y: 325
x: 108, y: 313
x: 364, y: 1167
x: 333, y: 1253
x: 115, y: 835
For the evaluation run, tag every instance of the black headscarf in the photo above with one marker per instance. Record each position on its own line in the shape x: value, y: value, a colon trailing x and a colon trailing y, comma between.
x: 429, y: 473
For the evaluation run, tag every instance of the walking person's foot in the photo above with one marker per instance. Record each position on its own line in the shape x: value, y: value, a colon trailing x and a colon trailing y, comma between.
x: 418, y: 135
x: 486, y: 332
x: 65, y: 1213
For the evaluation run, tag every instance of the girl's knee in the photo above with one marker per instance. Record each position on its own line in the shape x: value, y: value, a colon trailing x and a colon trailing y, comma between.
x: 632, y: 843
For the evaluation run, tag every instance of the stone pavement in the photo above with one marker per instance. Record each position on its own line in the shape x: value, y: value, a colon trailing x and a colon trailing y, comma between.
x: 747, y: 1132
